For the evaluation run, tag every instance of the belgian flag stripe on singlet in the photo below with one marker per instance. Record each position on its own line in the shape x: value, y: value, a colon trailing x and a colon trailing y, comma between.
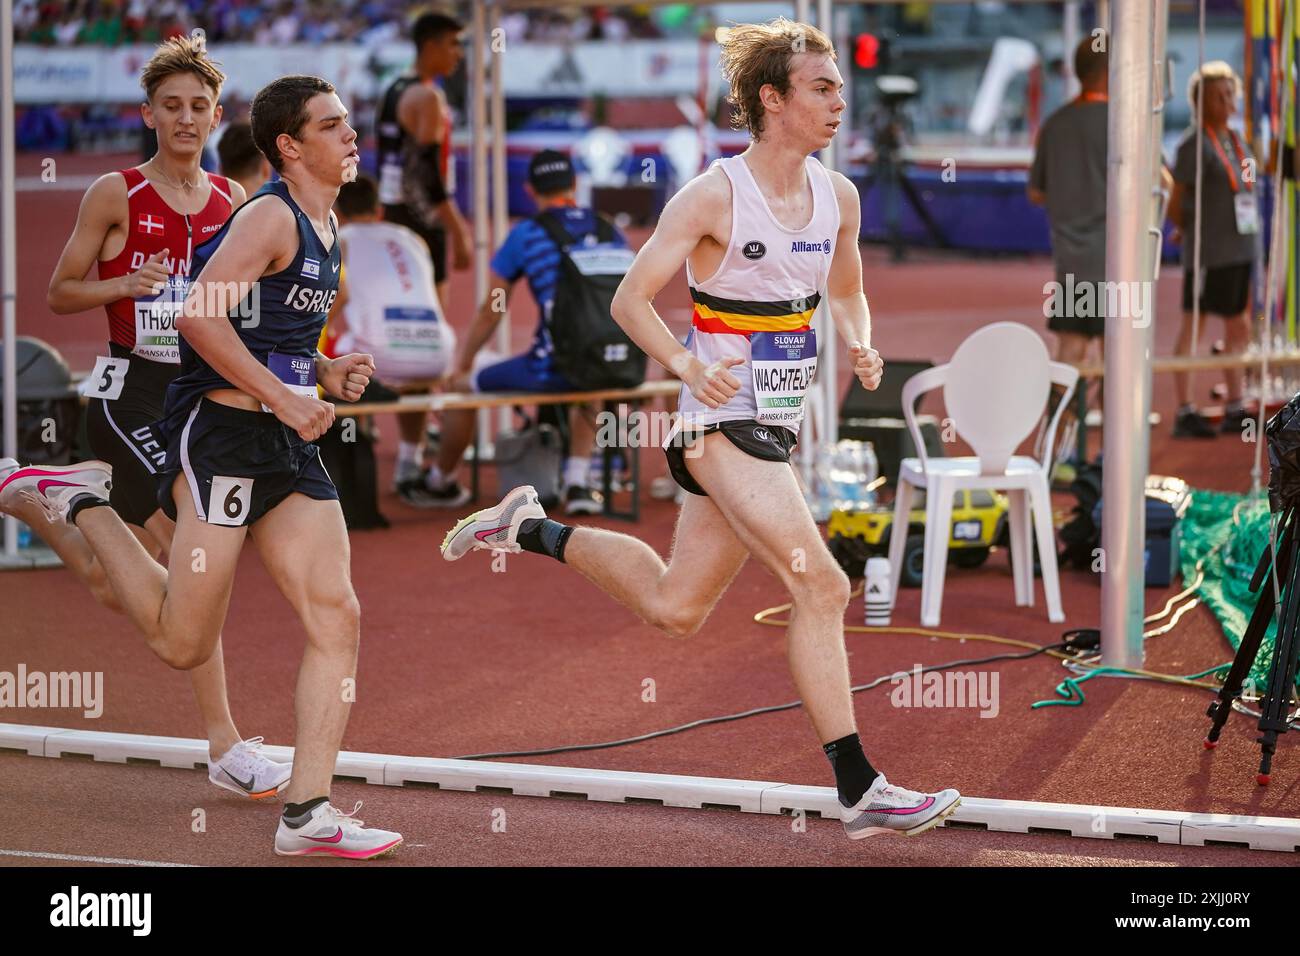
x: 736, y: 316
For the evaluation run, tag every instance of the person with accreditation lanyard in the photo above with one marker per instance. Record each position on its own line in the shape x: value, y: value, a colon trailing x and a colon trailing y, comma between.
x: 1229, y: 232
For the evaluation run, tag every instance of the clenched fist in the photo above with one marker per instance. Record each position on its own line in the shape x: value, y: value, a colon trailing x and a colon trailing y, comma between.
x: 868, y: 366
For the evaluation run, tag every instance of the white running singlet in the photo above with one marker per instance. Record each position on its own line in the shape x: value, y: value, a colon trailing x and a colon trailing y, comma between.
x: 392, y: 310
x: 758, y: 305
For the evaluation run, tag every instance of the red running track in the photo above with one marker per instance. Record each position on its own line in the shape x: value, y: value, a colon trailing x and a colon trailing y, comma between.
x: 457, y: 659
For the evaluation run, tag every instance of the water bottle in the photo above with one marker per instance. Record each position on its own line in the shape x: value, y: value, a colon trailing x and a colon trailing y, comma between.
x: 876, y: 592
x: 870, y: 471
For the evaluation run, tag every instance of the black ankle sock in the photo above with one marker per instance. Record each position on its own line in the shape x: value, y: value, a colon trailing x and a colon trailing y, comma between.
x: 295, y: 814
x: 853, y: 773
x: 544, y: 536
x: 81, y: 502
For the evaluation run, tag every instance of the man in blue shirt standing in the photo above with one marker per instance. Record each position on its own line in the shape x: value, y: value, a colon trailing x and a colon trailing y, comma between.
x: 530, y: 253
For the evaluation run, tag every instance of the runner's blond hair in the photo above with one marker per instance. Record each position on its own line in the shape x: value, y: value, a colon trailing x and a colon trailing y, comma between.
x: 181, y: 55
x: 755, y: 55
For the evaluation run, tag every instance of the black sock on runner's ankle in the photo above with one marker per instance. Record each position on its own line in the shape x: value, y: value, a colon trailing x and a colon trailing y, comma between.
x: 544, y: 536
x: 295, y: 814
x: 853, y: 772
x: 81, y: 502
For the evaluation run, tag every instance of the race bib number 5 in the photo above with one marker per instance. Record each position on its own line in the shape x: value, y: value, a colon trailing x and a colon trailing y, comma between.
x: 296, y: 371
x: 107, y: 379
x: 783, y: 365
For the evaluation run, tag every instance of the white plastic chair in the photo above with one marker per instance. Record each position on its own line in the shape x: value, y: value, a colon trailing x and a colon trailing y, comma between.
x: 995, y: 389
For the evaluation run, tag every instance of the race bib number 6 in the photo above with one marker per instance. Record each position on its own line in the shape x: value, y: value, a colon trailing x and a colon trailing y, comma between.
x: 783, y: 365
x: 230, y: 500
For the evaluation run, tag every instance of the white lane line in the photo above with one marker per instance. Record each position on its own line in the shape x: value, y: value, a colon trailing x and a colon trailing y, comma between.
x: 73, y: 858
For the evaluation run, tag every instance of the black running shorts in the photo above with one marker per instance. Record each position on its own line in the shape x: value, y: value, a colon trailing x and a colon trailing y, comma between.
x: 239, y: 464
x: 121, y: 432
x: 1225, y: 290
x: 765, y: 442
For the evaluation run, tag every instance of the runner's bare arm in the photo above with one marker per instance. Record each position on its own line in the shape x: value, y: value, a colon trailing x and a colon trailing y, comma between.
x: 262, y: 240
x: 489, y: 315
x: 422, y: 113
x: 237, y: 195
x: 844, y: 296
x: 692, y: 214
x: 103, y: 207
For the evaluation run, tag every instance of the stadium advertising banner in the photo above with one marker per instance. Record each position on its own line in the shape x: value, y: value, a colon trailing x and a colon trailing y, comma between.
x: 98, y: 75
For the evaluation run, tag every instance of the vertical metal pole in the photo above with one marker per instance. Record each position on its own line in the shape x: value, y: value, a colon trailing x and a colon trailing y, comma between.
x: 830, y: 155
x: 500, y: 195
x: 1103, y: 16
x: 479, y: 152
x: 8, y: 251
x: 802, y: 10
x: 1069, y: 40
x: 829, y: 346
x: 1128, y: 370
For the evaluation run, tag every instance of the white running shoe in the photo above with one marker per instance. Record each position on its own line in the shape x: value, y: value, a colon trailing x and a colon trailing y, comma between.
x: 331, y: 832
x: 887, y: 809
x: 245, y: 770
x: 494, y: 529
x: 53, y: 486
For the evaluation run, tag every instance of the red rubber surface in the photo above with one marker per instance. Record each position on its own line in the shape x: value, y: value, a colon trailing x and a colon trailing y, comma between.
x: 457, y: 659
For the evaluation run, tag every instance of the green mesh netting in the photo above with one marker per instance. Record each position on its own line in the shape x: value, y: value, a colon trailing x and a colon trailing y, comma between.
x: 1228, y: 533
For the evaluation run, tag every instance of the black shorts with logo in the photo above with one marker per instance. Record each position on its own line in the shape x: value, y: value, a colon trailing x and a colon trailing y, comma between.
x: 239, y: 464
x: 765, y: 442
x: 1225, y: 290
x: 121, y: 432
x: 435, y: 237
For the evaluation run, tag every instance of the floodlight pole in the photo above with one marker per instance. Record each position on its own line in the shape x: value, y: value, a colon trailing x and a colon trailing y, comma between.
x: 1130, y: 248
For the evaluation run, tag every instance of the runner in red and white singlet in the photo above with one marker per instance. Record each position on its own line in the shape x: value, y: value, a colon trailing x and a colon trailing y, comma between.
x: 140, y: 227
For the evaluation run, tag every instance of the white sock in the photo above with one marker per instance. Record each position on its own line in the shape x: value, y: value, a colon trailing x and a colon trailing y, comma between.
x: 435, y: 480
x: 410, y: 453
x: 577, y: 471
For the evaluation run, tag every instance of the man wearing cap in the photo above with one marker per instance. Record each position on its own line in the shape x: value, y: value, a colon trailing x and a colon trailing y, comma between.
x: 528, y: 252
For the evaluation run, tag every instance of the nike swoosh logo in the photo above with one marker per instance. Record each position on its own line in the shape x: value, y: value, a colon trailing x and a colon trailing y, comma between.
x: 484, y: 535
x: 336, y: 838
x: 50, y: 482
x: 247, y: 785
x: 30, y: 472
x: 907, y: 811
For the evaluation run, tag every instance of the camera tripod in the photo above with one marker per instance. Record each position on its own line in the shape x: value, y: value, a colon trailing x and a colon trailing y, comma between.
x: 1274, y: 718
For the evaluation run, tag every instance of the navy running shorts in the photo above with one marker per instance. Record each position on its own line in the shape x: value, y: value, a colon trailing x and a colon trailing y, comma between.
x: 239, y: 464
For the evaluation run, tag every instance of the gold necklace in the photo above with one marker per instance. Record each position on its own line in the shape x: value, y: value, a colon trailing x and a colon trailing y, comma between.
x: 184, y: 184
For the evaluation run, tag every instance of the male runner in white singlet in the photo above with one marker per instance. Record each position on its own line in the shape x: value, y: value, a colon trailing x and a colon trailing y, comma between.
x: 762, y: 235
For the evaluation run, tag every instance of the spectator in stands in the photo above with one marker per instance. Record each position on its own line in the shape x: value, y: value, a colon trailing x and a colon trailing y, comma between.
x: 69, y: 27
x: 241, y: 160
x: 527, y: 252
x: 26, y: 16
